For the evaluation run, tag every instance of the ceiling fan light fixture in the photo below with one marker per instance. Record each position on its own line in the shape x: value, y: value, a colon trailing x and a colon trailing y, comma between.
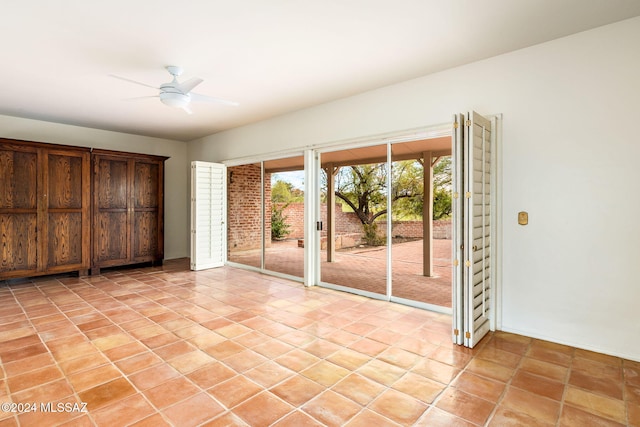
x: 177, y: 100
x: 178, y: 94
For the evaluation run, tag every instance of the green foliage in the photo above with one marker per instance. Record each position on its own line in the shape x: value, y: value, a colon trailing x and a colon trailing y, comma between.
x: 279, y: 226
x: 441, y: 203
x: 407, y: 189
x: 410, y: 208
x: 363, y: 189
x: 371, y: 235
x: 442, y: 189
x: 285, y: 192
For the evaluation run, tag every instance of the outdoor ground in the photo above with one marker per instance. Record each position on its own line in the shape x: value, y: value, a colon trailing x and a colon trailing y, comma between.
x: 365, y: 268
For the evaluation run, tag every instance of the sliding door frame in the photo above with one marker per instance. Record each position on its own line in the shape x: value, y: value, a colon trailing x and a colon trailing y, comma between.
x: 263, y: 233
x: 388, y: 140
x: 312, y: 155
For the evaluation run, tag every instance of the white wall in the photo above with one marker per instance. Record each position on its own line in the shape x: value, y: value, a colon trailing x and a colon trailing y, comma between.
x: 176, y: 228
x: 569, y: 157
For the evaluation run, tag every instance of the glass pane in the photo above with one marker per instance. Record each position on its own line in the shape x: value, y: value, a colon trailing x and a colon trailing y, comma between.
x: 421, y: 246
x: 284, y: 216
x: 357, y: 229
x: 244, y: 218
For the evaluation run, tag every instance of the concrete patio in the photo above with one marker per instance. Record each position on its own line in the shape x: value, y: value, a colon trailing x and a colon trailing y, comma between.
x: 365, y: 268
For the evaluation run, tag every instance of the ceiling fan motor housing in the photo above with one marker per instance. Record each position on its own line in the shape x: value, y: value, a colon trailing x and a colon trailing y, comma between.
x: 170, y: 93
x: 174, y: 99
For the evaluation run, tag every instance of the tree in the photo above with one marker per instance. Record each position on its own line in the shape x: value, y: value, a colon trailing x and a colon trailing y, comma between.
x: 442, y: 189
x: 285, y: 192
x: 407, y: 189
x: 279, y: 226
x: 363, y: 189
x: 412, y: 207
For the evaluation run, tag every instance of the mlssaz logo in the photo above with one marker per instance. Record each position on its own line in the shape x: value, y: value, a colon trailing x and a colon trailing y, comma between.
x: 63, y: 407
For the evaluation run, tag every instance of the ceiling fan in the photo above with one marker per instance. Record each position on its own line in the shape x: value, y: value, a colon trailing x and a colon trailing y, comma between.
x: 179, y: 95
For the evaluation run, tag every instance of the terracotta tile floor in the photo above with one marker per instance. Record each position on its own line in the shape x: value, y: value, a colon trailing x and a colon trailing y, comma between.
x: 167, y: 346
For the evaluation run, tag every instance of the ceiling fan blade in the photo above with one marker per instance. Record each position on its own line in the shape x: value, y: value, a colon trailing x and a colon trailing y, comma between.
x: 187, y: 109
x: 187, y: 86
x: 203, y: 98
x: 132, y: 81
x: 141, y: 97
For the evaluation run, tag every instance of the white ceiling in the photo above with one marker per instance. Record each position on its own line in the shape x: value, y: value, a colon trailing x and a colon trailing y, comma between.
x: 271, y: 56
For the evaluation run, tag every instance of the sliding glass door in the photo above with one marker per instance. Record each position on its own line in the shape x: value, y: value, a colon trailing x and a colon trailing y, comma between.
x: 284, y: 216
x: 352, y: 224
x: 375, y: 229
x: 245, y: 214
x: 421, y: 222
x: 266, y: 215
x: 373, y: 213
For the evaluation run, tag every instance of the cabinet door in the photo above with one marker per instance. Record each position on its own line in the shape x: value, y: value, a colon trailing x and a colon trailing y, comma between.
x: 111, y: 228
x: 66, y: 210
x: 147, y: 190
x: 19, y: 254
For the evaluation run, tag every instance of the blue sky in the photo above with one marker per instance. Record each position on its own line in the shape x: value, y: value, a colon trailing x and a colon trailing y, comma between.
x: 296, y: 178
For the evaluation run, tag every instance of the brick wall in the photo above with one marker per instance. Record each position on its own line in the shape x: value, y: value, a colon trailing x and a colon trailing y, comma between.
x: 413, y: 229
x: 244, y: 210
x: 348, y: 222
x: 294, y: 218
x: 244, y: 207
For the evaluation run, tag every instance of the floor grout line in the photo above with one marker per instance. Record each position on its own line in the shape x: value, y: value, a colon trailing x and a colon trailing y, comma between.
x: 323, y: 323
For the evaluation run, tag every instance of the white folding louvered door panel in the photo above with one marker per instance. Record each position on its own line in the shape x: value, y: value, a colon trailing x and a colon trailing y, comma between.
x: 457, y: 237
x: 478, y: 280
x: 208, y: 215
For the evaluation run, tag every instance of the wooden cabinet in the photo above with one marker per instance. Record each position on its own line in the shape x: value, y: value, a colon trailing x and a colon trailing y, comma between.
x: 66, y: 209
x: 128, y: 209
x: 44, y: 209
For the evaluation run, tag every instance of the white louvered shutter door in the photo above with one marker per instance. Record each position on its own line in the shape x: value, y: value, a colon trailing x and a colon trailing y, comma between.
x: 478, y: 277
x: 208, y: 215
x: 457, y: 184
